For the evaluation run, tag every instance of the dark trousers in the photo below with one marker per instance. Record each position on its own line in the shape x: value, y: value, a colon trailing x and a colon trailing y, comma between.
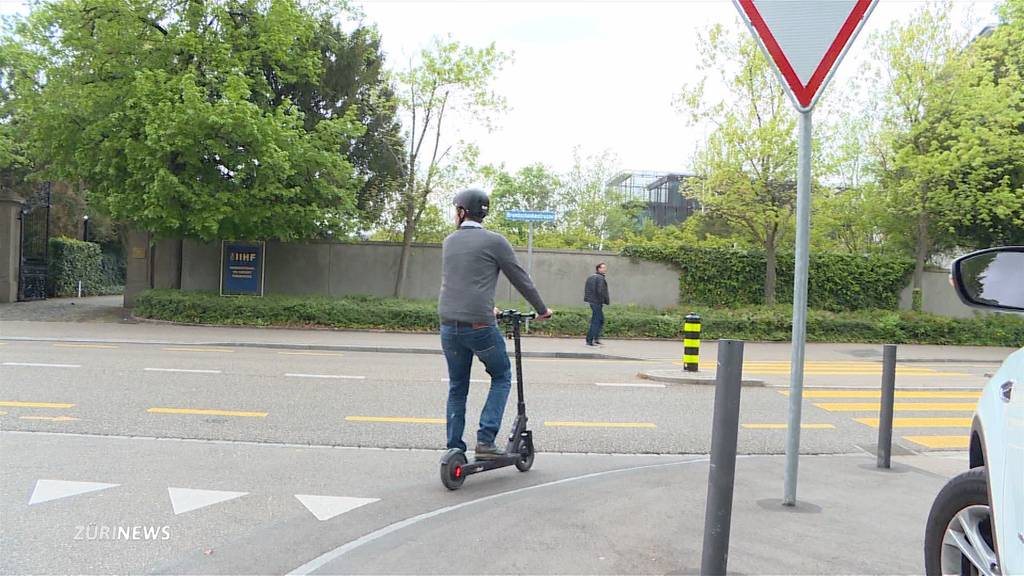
x: 596, y: 323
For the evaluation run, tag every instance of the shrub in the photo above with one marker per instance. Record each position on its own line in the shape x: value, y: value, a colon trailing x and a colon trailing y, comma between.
x: 726, y: 277
x: 73, y: 261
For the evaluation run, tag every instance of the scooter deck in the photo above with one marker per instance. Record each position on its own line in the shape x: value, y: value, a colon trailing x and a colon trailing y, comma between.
x: 484, y: 465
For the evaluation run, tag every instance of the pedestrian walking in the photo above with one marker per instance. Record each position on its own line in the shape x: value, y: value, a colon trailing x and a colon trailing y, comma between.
x: 595, y: 293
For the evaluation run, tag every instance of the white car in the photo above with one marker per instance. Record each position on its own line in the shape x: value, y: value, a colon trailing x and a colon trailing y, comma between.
x: 976, y: 524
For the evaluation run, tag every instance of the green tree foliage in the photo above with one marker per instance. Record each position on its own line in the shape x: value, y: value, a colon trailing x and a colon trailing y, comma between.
x: 589, y: 214
x: 913, y: 76
x: 354, y: 78
x: 170, y: 113
x: 977, y: 138
x: 533, y: 187
x: 746, y: 170
x: 449, y: 83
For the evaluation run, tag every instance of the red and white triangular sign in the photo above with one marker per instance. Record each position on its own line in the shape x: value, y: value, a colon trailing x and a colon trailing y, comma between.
x: 806, y: 39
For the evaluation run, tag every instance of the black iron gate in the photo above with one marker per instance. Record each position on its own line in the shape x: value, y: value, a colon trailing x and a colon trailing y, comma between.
x: 35, y: 241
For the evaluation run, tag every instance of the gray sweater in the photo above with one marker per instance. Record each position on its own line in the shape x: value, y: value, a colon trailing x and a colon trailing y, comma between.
x: 470, y: 261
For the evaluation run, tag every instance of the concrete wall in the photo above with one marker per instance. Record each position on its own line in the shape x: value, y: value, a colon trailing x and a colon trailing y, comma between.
x: 370, y: 268
x: 938, y: 297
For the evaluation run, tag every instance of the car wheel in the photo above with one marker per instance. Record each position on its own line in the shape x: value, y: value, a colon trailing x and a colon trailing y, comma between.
x: 958, y: 537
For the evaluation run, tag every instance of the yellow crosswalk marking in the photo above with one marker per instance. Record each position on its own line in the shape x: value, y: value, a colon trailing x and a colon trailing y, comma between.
x: 898, y: 406
x: 784, y: 426
x: 601, y: 424
x: 920, y: 422
x: 205, y: 412
x: 908, y: 394
x: 395, y: 420
x: 962, y: 441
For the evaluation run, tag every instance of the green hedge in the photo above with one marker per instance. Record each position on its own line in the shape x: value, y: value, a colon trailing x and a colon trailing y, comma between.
x: 723, y: 277
x: 71, y: 261
x: 752, y: 323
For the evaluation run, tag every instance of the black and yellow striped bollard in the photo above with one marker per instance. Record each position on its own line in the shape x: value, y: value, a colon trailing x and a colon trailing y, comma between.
x: 691, y: 342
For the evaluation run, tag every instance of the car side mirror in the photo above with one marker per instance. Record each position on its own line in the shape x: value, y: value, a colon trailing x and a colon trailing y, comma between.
x: 992, y: 278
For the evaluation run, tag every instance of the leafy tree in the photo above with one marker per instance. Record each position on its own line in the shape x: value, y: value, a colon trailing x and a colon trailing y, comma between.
x: 594, y: 215
x: 533, y: 187
x: 746, y: 168
x: 354, y: 79
x: 449, y: 81
x: 913, y: 75
x: 977, y: 138
x: 169, y: 112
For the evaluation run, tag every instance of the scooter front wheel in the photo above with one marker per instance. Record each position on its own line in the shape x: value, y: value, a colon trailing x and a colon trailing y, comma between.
x: 525, y: 461
x: 452, y: 474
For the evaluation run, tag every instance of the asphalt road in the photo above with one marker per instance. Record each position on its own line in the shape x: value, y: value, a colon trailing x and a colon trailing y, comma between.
x: 397, y: 400
x: 133, y: 458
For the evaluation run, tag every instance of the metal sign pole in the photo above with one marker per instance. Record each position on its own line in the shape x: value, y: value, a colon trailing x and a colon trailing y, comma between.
x: 796, y: 382
x: 529, y: 252
x: 529, y: 265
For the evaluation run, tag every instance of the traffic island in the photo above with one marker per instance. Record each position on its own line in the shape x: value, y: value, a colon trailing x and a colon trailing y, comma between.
x: 678, y: 376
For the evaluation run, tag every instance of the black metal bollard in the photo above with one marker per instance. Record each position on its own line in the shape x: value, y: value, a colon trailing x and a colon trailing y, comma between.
x: 722, y: 475
x: 888, y: 400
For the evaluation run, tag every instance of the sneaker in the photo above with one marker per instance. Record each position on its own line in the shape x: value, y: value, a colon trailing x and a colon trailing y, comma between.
x: 488, y: 452
x: 598, y: 342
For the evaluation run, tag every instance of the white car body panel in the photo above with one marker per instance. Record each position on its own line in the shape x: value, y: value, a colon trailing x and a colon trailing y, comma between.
x: 1002, y: 426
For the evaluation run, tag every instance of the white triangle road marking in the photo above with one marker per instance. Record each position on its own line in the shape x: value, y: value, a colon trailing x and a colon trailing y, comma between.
x: 47, y: 490
x: 189, y: 499
x: 327, y: 507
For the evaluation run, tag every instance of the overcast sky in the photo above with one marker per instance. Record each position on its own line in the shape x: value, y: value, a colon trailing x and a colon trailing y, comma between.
x: 598, y: 74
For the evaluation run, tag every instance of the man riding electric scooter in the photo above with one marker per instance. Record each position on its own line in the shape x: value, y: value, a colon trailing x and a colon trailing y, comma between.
x: 471, y: 260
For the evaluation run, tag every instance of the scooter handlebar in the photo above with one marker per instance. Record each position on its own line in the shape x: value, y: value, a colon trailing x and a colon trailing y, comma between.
x: 510, y: 314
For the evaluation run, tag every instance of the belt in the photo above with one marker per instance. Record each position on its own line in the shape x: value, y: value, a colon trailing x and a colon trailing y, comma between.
x: 460, y: 324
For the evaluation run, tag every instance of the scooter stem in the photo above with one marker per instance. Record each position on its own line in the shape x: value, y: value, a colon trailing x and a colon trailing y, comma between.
x: 519, y: 365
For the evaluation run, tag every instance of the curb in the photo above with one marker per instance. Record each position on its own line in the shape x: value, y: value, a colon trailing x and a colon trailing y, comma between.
x: 322, y: 347
x: 699, y: 379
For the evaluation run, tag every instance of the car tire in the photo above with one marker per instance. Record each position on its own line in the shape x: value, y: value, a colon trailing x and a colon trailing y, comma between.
x: 959, y: 517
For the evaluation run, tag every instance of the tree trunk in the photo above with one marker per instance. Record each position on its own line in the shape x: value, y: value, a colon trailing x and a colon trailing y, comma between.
x: 407, y: 235
x: 921, y: 251
x: 769, y: 270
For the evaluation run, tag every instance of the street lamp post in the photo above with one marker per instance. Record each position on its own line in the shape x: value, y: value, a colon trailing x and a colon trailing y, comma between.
x: 85, y: 228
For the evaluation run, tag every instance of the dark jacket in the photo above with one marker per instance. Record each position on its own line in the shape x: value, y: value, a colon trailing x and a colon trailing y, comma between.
x: 596, y: 290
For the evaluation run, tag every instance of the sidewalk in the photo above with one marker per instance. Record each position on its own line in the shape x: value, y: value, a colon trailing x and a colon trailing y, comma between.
x: 657, y: 350
x: 100, y: 319
x: 851, y: 518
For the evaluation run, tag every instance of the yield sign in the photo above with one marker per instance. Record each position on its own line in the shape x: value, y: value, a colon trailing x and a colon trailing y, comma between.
x: 805, y: 39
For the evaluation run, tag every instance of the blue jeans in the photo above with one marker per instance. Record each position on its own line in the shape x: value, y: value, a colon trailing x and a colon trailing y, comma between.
x: 596, y: 323
x: 460, y: 344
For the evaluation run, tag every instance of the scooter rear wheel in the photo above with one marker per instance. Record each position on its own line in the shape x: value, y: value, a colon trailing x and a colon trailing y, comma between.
x: 452, y: 474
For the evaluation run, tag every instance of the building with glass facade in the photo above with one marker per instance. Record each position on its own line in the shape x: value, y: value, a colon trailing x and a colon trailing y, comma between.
x: 660, y: 191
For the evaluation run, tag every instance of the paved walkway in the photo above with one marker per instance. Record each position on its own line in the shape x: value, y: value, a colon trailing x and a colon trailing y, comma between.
x: 90, y: 309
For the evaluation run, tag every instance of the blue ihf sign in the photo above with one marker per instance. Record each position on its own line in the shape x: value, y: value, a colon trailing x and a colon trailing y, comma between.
x: 529, y: 216
x: 242, y: 269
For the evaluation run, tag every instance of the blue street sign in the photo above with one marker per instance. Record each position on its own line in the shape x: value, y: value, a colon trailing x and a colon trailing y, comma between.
x: 529, y: 216
x: 242, y: 269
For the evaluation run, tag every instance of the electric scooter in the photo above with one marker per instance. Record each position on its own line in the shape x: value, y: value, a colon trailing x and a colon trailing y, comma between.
x: 519, y: 452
